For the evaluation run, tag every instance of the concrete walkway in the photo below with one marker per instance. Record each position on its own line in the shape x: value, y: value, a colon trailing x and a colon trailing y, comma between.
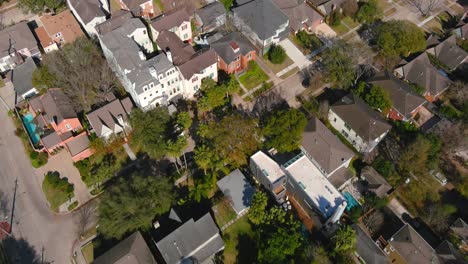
x: 398, y: 208
x: 129, y: 151
x: 299, y: 59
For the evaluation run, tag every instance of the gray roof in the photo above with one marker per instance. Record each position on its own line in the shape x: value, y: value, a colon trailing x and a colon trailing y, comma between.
x: 78, y: 144
x: 404, y: 100
x: 367, y: 248
x: 51, y: 140
x: 21, y: 76
x: 132, y: 4
x: 412, y: 247
x: 190, y: 241
x: 197, y: 63
x: 180, y: 51
x: 460, y: 228
x: 172, y: 5
x: 340, y: 177
x: 421, y: 72
x: 377, y: 183
x: 107, y: 116
x: 88, y: 9
x: 367, y: 123
x: 17, y: 37
x: 262, y: 16
x: 298, y: 11
x: 450, y: 54
x: 132, y: 250
x: 210, y: 13
x: 118, y: 20
x: 168, y: 21
x: 237, y: 189
x: 324, y: 147
x: 55, y: 105
x: 449, y: 254
x: 224, y: 49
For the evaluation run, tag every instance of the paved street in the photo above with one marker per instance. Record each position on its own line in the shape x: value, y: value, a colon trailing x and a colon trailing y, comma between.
x: 48, y: 233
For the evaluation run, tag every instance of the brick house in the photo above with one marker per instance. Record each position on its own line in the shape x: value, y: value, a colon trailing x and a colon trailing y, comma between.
x: 234, y: 52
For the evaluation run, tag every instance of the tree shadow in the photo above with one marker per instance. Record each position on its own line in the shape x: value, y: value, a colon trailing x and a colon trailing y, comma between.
x: 4, y: 204
x: 246, y: 248
x: 19, y: 251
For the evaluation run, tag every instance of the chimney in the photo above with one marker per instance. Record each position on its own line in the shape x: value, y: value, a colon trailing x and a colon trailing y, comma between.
x: 142, y: 56
x: 169, y: 55
x: 234, y: 46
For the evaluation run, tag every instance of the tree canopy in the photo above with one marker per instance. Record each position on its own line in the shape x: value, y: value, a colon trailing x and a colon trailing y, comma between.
x: 344, y: 240
x: 276, y: 54
x: 283, y: 129
x: 378, y: 98
x: 400, y: 38
x: 369, y: 12
x: 38, y: 6
x: 133, y: 203
x: 257, y: 209
x: 215, y: 95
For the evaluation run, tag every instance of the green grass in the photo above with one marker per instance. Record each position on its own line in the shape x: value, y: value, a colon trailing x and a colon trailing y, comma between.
x: 56, y: 197
x: 73, y: 205
x: 88, y: 252
x: 159, y: 4
x: 265, y: 87
x: 2, y: 83
x: 223, y: 213
x: 340, y: 29
x: 239, y: 245
x: 253, y: 77
x: 277, y: 67
x: 350, y: 22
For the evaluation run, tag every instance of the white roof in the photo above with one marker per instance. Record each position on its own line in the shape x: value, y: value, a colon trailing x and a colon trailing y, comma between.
x: 320, y: 191
x: 269, y: 167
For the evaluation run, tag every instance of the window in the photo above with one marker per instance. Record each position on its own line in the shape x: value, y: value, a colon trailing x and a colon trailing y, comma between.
x: 196, y: 88
x: 58, y: 35
x: 211, y: 75
x: 238, y: 58
x: 185, y: 36
x: 334, y: 119
x: 347, y: 127
x: 145, y: 88
x: 162, y: 85
x: 144, y: 32
x: 151, y: 85
x: 68, y: 126
x: 184, y: 27
x: 194, y: 79
x: 144, y: 98
x: 249, y: 57
x: 344, y: 133
x: 151, y: 95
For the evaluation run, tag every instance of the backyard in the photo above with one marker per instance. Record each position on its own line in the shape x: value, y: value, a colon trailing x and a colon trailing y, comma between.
x: 223, y: 212
x: 253, y: 77
x: 239, y: 242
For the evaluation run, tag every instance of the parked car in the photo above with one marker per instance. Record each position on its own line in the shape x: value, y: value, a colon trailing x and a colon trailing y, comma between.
x: 439, y: 177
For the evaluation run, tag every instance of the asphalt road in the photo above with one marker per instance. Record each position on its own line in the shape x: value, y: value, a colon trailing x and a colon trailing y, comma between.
x: 50, y: 236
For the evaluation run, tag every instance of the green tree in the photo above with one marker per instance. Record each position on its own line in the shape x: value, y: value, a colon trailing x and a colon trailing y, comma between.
x: 184, y: 120
x: 175, y: 148
x: 419, y: 156
x: 339, y: 67
x: 437, y: 215
x: 280, y: 246
x: 276, y: 54
x: 38, y: 6
x: 43, y: 79
x: 204, y: 157
x: 227, y: 3
x: 257, y: 209
x: 151, y: 130
x: 344, y: 240
x: 369, y: 12
x: 361, y: 89
x: 400, y: 38
x: 215, y: 95
x: 283, y: 129
x: 378, y: 98
x: 133, y: 203
x: 104, y: 170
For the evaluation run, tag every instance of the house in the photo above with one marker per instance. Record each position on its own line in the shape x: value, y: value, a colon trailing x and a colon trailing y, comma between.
x: 143, y: 8
x: 193, y: 66
x: 358, y: 123
x: 460, y: 229
x: 327, y: 152
x: 55, y: 31
x: 449, y: 53
x: 177, y: 22
x: 17, y: 43
x: 133, y: 250
x: 407, y: 246
x: 174, y: 5
x: 89, y: 13
x: 461, y: 30
x: 192, y: 242
x: 21, y: 77
x: 421, y: 72
x: 262, y: 22
x: 210, y: 17
x: 269, y: 174
x: 327, y: 6
x: 56, y: 122
x: 237, y: 190
x: 301, y: 16
x: 375, y: 182
x: 367, y: 251
x: 405, y: 103
x: 234, y: 52
x: 449, y: 254
x: 124, y: 41
x: 111, y: 119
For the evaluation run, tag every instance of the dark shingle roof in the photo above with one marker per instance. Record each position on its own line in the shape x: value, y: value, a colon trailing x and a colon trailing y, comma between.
x: 449, y: 254
x: 377, y: 183
x: 412, y: 247
x: 21, y: 76
x: 367, y: 123
x: 132, y: 250
x: 118, y: 20
x: 190, y: 240
x: 367, y: 248
x: 55, y: 105
x: 340, y: 177
x: 298, y: 11
x: 132, y: 4
x: 51, y: 140
x: 19, y: 37
x: 460, y: 228
x: 168, y: 21
x: 225, y: 51
x: 180, y: 51
x: 237, y: 189
x: 78, y: 144
x: 404, y: 100
x: 450, y: 54
x: 87, y: 9
x: 107, y: 116
x: 323, y: 146
x: 209, y: 13
x: 262, y: 16
x: 197, y: 63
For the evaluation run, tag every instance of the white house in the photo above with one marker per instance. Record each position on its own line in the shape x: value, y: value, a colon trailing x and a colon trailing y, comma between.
x: 177, y: 22
x: 89, y: 13
x: 111, y: 119
x: 358, y: 123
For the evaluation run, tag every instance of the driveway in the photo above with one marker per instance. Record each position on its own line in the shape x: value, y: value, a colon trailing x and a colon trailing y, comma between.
x: 7, y: 94
x: 47, y: 234
x: 14, y: 16
x: 299, y: 59
x: 398, y: 208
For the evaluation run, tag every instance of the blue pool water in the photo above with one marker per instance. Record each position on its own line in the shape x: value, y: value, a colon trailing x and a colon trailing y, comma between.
x: 31, y: 127
x: 350, y: 200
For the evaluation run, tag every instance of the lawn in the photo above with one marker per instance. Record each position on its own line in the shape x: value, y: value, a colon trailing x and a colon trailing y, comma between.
x: 340, y: 29
x: 239, y: 243
x: 383, y: 4
x: 253, y: 77
x: 223, y: 212
x: 277, y: 67
x: 88, y: 252
x: 57, y: 195
x: 350, y: 22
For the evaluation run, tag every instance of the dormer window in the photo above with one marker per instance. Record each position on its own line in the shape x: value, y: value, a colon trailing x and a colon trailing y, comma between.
x: 58, y: 35
x: 151, y: 85
x: 234, y: 46
x: 145, y: 88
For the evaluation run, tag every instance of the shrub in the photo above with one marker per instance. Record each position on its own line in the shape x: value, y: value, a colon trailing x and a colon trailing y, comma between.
x: 335, y: 18
x: 449, y: 112
x: 418, y: 89
x: 276, y: 54
x: 38, y: 159
x: 72, y: 206
x: 309, y: 41
x: 355, y: 213
x: 369, y: 12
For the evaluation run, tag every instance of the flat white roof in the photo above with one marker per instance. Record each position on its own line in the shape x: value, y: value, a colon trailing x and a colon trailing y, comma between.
x: 320, y: 191
x: 269, y: 167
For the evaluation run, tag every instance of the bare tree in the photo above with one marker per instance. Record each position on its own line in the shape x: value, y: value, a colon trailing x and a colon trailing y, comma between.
x: 373, y: 221
x: 425, y: 6
x: 85, y: 217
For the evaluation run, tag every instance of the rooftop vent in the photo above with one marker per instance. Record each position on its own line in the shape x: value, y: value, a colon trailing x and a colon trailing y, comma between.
x: 234, y: 46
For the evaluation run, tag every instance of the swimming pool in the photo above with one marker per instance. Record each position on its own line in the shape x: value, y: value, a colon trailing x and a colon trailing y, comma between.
x: 350, y: 200
x: 31, y: 128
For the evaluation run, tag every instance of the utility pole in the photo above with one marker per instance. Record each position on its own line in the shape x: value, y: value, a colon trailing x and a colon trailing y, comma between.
x: 13, y: 206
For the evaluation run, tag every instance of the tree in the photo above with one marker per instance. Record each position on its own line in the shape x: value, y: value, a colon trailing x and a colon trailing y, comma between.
x: 215, y: 95
x: 204, y: 157
x: 184, y: 120
x: 151, y: 130
x: 309, y: 41
x: 227, y: 3
x: 276, y: 54
x: 378, y: 98
x: 425, y: 7
x: 104, y: 170
x: 369, y: 12
x: 316, y: 254
x: 349, y: 7
x: 283, y: 129
x: 175, y: 148
x: 233, y: 138
x: 81, y: 70
x: 339, y: 62
x: 419, y: 155
x: 85, y: 217
x: 132, y: 204
x: 437, y: 215
x: 400, y: 38
x: 257, y: 209
x: 38, y: 6
x: 280, y: 246
x: 344, y: 240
